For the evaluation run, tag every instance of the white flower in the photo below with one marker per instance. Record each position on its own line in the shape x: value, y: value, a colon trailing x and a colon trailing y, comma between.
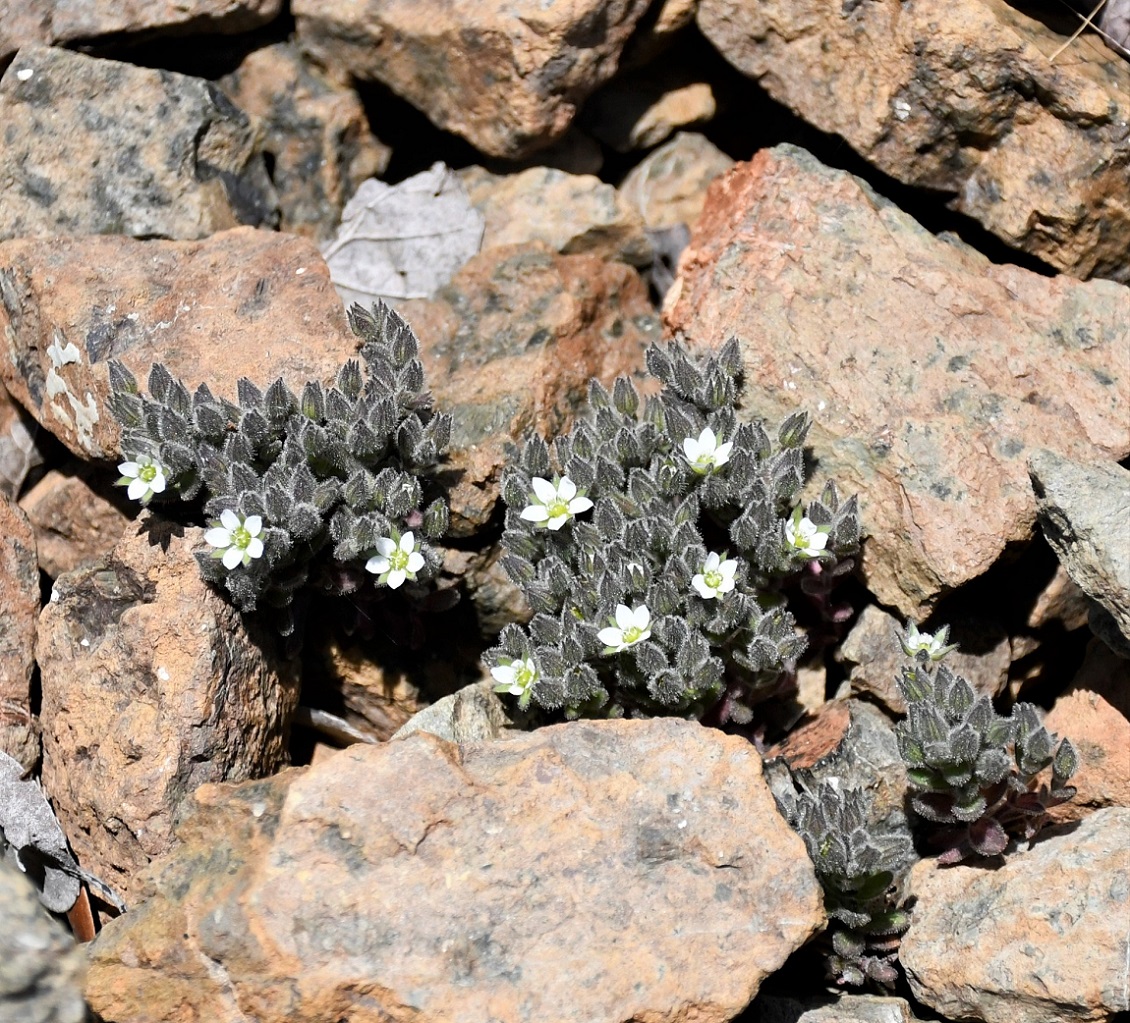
x: 517, y: 678
x: 236, y: 539
x: 706, y: 454
x: 934, y: 646
x: 716, y: 577
x: 552, y: 505
x: 144, y: 476
x: 633, y: 625
x: 396, y: 561
x: 804, y: 536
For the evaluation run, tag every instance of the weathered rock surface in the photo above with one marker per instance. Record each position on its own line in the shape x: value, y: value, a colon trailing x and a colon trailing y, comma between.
x: 315, y: 131
x: 962, y: 99
x: 1084, y: 510
x: 19, y: 609
x: 19, y: 453
x: 510, y: 346
x: 1042, y: 939
x: 848, y: 1008
x: 644, y: 108
x: 74, y: 524
x: 589, y: 872
x: 41, y: 969
x: 507, y: 76
x: 100, y: 147
x: 1094, y: 714
x: 152, y: 685
x: 474, y: 714
x: 571, y: 213
x: 930, y: 372
x: 876, y: 659
x: 241, y: 303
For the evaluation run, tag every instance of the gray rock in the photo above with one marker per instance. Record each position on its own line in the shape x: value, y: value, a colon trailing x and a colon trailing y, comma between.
x: 474, y: 714
x: 41, y: 970
x: 99, y: 147
x: 1084, y: 509
x: 845, y: 1009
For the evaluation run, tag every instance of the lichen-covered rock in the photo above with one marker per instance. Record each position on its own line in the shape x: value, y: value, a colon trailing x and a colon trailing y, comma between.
x: 592, y: 872
x: 19, y: 452
x: 1042, y: 939
x: 96, y: 146
x: 960, y: 98
x: 668, y: 186
x: 930, y: 373
x: 152, y: 685
x: 19, y: 609
x: 507, y: 75
x: 243, y: 303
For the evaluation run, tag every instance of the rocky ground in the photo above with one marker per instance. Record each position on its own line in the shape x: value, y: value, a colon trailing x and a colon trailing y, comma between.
x: 916, y: 220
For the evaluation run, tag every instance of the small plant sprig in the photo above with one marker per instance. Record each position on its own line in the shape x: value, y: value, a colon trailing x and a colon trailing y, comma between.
x: 971, y: 771
x: 860, y: 866
x: 651, y: 544
x: 337, y: 474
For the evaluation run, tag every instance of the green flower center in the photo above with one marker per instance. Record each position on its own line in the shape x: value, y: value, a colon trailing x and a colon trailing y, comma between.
x: 558, y: 508
x: 632, y: 634
x: 398, y: 560
x: 148, y: 473
x: 240, y: 538
x: 525, y: 675
x: 712, y: 579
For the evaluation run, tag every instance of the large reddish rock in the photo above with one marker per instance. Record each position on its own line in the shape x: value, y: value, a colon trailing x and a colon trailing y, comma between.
x: 1042, y: 939
x: 241, y: 303
x: 961, y: 98
x: 19, y: 609
x: 930, y: 372
x: 588, y: 872
x: 507, y: 75
x: 97, y: 146
x: 152, y: 685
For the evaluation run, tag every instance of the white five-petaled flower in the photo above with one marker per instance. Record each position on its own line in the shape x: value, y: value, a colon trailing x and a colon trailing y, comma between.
x: 517, y: 678
x: 932, y: 645
x: 395, y: 560
x: 706, y: 454
x: 144, y: 476
x: 633, y: 625
x: 552, y: 505
x: 236, y: 539
x: 804, y: 536
x: 716, y: 578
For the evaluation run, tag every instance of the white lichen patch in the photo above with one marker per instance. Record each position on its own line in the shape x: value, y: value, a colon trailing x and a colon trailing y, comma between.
x: 82, y: 415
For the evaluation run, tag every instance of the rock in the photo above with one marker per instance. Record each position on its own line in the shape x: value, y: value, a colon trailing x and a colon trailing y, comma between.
x: 845, y: 1009
x: 815, y: 273
x: 242, y: 303
x: 18, y: 451
x: 1084, y: 511
x: 19, y: 609
x: 315, y: 131
x: 1114, y: 23
x: 23, y: 23
x: 474, y: 714
x: 657, y: 30
x: 1094, y: 713
x: 962, y: 100
x: 668, y: 186
x: 585, y: 872
x: 506, y: 76
x: 1042, y: 939
x: 152, y: 685
x: 510, y: 346
x: 41, y: 969
x: 99, y: 147
x: 876, y: 658
x: 571, y: 213
x: 74, y: 524
x: 644, y: 108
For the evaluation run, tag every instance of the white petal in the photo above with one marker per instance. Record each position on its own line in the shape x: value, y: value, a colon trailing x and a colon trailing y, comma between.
x: 624, y: 617
x: 408, y: 543
x: 232, y: 557
x: 611, y: 637
x: 377, y: 564
x: 534, y: 513
x: 728, y: 568
x: 578, y: 505
x: 543, y: 490
x: 217, y: 537
x: 230, y: 520
x: 711, y: 562
x: 557, y: 521
x: 726, y: 585
x: 504, y: 673
x: 642, y: 636
x: 566, y: 489
x: 158, y: 484
x: 415, y: 562
x: 255, y: 548
x: 691, y: 449
x: 386, y: 545
x: 707, y: 441
x: 722, y: 453
x: 704, y: 591
x: 818, y: 541
x: 641, y: 617
x: 137, y: 489
x: 130, y: 469
x: 253, y: 524
x: 396, y: 578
